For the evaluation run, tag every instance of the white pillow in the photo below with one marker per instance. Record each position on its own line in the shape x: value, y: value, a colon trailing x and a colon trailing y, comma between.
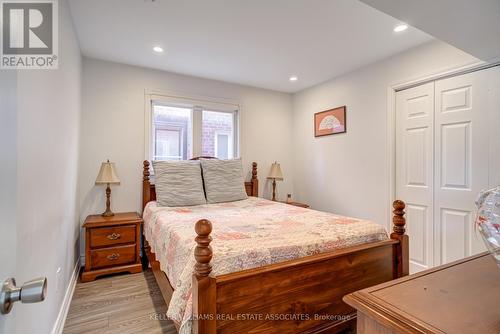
x: 223, y: 179
x: 178, y: 183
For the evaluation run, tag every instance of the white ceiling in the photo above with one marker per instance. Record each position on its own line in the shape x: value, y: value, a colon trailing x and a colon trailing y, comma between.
x: 253, y: 42
x: 470, y: 25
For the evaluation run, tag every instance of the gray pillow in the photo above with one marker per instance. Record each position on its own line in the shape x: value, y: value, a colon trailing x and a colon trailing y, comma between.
x: 224, y: 181
x: 178, y: 183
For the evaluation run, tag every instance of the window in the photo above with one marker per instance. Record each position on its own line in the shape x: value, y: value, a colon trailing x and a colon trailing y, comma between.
x: 169, y: 145
x: 171, y: 132
x: 218, y: 134
x: 180, y: 130
x: 223, y: 147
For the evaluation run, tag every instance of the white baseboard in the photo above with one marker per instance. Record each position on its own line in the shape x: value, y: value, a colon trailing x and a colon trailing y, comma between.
x: 63, y: 312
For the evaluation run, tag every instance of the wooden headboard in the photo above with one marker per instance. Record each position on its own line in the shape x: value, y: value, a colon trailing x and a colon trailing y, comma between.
x: 149, y: 190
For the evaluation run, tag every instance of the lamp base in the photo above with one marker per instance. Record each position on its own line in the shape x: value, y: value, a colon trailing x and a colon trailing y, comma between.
x: 274, y: 190
x: 108, y: 213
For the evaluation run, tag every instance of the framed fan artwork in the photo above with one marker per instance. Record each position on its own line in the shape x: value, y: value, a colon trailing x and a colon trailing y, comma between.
x: 330, y: 122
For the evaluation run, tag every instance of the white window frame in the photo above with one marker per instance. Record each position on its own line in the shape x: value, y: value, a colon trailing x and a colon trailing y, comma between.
x: 197, y: 104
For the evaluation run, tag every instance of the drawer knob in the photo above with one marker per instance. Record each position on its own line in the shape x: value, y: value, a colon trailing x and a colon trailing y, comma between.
x: 114, y: 236
x: 113, y: 256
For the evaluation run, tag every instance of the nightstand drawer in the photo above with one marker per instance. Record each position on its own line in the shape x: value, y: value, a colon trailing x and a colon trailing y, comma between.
x: 107, y: 236
x: 106, y: 257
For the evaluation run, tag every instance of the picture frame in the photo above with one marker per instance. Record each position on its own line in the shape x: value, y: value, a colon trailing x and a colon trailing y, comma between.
x: 330, y: 122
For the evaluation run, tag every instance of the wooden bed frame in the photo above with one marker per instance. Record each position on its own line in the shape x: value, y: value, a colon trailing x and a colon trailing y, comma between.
x: 297, y: 296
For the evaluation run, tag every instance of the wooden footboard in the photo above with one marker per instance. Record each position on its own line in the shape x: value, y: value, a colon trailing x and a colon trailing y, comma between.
x: 298, y: 296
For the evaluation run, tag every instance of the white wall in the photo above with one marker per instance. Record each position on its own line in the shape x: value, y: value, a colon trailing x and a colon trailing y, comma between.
x: 113, y: 128
x: 48, y: 140
x: 347, y: 173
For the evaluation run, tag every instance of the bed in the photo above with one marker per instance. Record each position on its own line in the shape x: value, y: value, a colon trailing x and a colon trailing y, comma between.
x: 271, y: 267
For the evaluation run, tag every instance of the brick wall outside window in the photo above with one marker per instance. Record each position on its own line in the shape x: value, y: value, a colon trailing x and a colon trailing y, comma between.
x: 213, y: 123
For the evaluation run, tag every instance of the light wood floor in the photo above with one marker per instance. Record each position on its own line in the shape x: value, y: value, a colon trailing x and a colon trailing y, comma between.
x: 124, y: 304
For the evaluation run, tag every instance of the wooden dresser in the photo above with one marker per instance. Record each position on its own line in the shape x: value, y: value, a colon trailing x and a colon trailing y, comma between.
x: 461, y: 297
x: 112, y: 245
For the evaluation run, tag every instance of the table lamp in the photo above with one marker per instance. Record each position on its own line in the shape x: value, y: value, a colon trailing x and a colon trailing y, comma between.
x: 275, y: 174
x: 107, y: 175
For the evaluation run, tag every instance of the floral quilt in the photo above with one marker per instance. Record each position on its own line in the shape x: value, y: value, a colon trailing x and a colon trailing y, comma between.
x: 246, y: 234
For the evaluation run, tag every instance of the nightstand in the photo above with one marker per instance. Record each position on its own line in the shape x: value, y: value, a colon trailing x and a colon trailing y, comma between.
x: 302, y: 205
x: 112, y: 245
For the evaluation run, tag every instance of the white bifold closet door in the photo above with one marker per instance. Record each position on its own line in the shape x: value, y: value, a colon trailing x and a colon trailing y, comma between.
x: 414, y: 169
x: 461, y: 163
x: 442, y: 161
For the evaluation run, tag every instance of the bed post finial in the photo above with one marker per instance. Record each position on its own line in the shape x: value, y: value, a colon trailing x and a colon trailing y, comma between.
x: 255, y: 182
x: 146, y: 186
x: 203, y: 251
x: 398, y: 220
x: 204, y: 289
x: 145, y: 172
x: 401, y: 250
x: 254, y: 170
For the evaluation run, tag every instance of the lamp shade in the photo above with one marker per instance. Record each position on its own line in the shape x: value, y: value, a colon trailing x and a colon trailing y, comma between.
x: 107, y: 174
x: 275, y: 172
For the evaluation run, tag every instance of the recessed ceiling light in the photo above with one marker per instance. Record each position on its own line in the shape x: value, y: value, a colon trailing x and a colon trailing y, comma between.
x: 400, y: 27
x: 293, y: 78
x: 158, y: 49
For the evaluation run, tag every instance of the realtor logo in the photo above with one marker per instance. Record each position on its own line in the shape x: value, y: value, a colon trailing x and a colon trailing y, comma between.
x: 29, y: 34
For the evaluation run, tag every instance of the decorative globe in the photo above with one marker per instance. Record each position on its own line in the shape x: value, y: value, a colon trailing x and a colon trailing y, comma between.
x: 488, y: 220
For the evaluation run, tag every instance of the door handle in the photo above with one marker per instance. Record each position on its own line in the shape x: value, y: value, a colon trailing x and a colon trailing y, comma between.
x: 33, y: 291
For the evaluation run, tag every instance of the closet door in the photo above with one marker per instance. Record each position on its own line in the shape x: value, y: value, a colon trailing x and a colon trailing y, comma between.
x: 414, y: 169
x: 461, y: 163
x: 494, y: 125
